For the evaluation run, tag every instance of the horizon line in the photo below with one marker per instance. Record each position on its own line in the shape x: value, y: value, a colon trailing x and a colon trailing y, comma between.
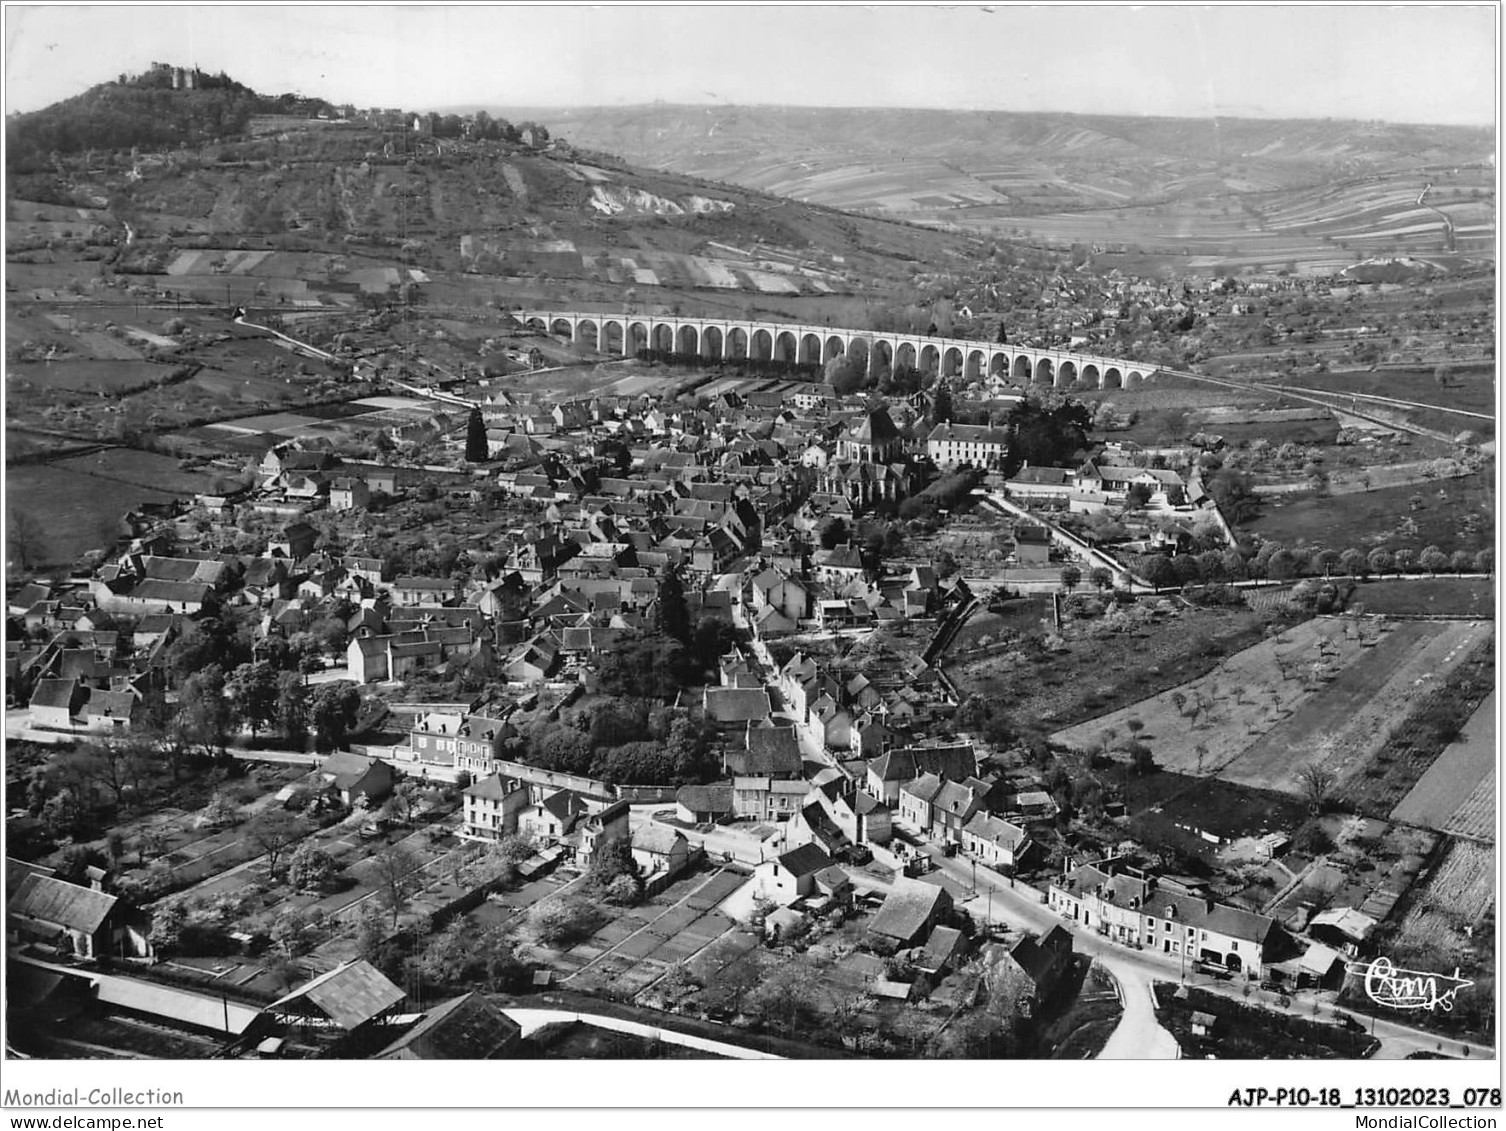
x: 1250, y: 115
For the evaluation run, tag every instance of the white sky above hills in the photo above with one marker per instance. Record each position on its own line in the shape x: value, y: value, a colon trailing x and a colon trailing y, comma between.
x: 1405, y: 63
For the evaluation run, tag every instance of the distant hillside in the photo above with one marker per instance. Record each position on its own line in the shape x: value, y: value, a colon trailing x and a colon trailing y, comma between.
x: 295, y: 206
x: 217, y: 165
x: 163, y: 107
x: 1027, y: 163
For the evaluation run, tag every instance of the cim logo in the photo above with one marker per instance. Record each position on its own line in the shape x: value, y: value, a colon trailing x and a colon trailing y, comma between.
x: 1395, y: 988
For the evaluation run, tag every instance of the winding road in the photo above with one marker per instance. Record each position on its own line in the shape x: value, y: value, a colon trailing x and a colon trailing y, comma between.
x: 1138, y: 1035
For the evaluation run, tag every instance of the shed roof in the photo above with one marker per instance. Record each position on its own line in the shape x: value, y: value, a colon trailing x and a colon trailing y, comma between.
x: 806, y: 860
x: 69, y: 905
x: 1319, y: 959
x: 716, y: 798
x: 54, y: 693
x: 907, y: 908
x: 347, y: 768
x: 657, y: 839
x: 737, y: 704
x: 349, y: 995
x: 465, y: 1028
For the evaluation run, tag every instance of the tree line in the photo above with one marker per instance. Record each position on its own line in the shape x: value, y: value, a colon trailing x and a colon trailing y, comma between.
x: 1276, y: 562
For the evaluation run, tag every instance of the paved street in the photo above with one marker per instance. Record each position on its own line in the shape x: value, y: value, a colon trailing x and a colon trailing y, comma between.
x: 1138, y: 1036
x: 18, y: 726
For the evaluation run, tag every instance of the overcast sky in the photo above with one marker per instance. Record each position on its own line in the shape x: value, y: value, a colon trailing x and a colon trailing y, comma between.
x: 1397, y: 62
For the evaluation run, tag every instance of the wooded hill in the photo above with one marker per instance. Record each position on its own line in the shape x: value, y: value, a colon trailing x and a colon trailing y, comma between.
x: 146, y: 111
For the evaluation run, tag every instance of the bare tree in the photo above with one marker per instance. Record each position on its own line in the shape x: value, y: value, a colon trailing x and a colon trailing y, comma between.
x: 26, y: 533
x: 1202, y: 706
x: 397, y: 874
x: 274, y: 832
x: 1316, y: 781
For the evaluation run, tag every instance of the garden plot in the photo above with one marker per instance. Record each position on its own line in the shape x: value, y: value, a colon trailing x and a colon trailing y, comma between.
x: 1447, y: 796
x: 637, y: 947
x: 1370, y: 867
x: 1476, y: 815
x: 1434, y: 934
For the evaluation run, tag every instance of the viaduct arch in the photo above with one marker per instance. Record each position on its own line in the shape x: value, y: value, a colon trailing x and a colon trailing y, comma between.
x: 717, y: 339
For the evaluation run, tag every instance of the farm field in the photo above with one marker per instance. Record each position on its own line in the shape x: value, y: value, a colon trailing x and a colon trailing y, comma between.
x: 21, y: 444
x: 1427, y: 596
x: 1471, y: 387
x: 1302, y: 227
x: 1347, y: 693
x: 608, y: 378
x: 1168, y: 392
x: 1351, y: 718
x: 1377, y: 475
x: 1437, y: 709
x: 77, y: 512
x: 1385, y: 517
x: 1449, y: 796
x: 1050, y: 690
x: 147, y: 470
x: 88, y: 376
x: 1247, y: 694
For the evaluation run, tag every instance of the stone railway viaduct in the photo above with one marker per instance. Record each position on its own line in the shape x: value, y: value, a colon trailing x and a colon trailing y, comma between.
x: 730, y: 339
